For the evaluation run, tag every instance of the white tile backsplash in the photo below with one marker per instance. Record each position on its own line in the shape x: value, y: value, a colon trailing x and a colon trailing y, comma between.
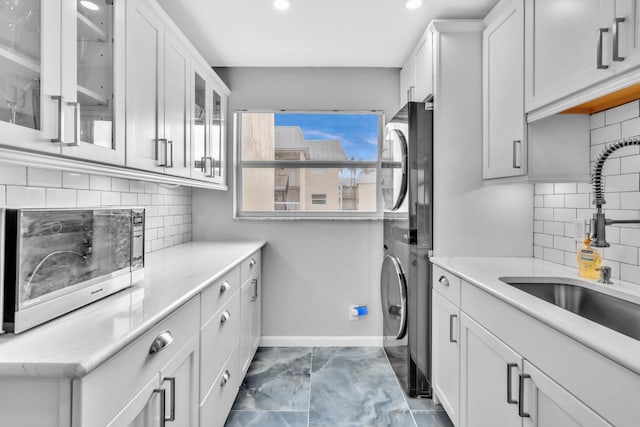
x: 559, y: 205
x: 168, y: 209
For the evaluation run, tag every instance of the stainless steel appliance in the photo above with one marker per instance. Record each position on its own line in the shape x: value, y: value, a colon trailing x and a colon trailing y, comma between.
x: 405, y: 283
x: 58, y: 260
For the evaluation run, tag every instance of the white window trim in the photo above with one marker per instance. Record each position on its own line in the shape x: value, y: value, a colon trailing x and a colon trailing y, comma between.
x: 297, y: 215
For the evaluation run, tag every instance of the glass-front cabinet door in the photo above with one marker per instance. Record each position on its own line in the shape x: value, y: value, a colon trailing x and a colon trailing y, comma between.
x: 218, y: 136
x: 93, y: 67
x: 29, y: 73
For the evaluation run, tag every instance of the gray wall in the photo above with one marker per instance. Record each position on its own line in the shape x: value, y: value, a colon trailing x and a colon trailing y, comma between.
x: 312, y: 270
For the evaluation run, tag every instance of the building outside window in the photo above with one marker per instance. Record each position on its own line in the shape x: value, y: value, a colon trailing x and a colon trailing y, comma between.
x: 307, y: 164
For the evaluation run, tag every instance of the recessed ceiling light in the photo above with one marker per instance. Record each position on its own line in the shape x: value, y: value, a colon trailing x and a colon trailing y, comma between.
x: 281, y: 4
x: 413, y: 4
x: 89, y: 5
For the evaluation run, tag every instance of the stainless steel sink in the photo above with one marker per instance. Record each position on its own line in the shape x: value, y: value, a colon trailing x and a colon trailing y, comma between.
x: 614, y: 313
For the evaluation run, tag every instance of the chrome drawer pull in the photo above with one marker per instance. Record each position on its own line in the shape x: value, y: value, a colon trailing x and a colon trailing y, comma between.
x: 509, y: 399
x: 225, y: 316
x: 521, y: 412
x: 225, y: 378
x: 443, y: 281
x: 451, y: 338
x: 163, y: 404
x: 224, y: 287
x: 161, y: 342
x: 172, y: 403
x: 252, y: 263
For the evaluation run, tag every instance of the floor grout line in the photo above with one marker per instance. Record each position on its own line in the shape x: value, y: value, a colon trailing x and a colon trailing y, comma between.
x: 404, y: 396
x: 310, y: 374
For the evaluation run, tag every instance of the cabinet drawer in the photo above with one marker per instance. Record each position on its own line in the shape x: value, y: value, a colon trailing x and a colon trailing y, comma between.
x: 447, y: 284
x: 216, y: 295
x: 108, y: 389
x: 250, y: 265
x: 216, y: 406
x: 219, y: 337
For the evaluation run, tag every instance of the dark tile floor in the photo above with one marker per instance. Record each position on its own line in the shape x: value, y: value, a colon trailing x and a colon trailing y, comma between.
x: 327, y: 387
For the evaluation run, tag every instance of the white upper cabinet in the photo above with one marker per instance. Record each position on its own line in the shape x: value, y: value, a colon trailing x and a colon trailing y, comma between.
x: 504, y: 142
x: 93, y: 62
x: 626, y: 37
x: 30, y: 70
x: 146, y: 145
x: 416, y: 76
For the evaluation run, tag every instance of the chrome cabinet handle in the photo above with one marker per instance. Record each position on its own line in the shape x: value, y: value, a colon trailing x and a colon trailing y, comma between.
x: 225, y: 378
x: 599, y: 64
x: 451, y: 317
x: 76, y: 124
x: 517, y: 154
x: 168, y: 154
x: 224, y: 287
x: 521, y: 396
x: 616, y: 39
x: 60, y: 119
x: 225, y: 316
x: 254, y: 283
x: 252, y: 263
x: 443, y: 281
x: 161, y: 342
x: 161, y: 161
x: 510, y: 366
x: 163, y: 405
x: 172, y: 403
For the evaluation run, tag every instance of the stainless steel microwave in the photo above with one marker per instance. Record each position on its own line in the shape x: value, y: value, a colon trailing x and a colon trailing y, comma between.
x: 56, y: 261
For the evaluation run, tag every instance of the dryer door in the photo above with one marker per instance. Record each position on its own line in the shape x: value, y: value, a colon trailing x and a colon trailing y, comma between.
x: 393, y: 288
x: 394, y: 168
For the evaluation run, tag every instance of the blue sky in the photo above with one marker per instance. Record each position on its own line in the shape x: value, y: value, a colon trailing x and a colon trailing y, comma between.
x: 358, y: 133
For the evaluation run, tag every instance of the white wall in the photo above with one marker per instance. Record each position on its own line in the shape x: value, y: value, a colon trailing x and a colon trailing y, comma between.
x: 558, y: 205
x: 312, y: 270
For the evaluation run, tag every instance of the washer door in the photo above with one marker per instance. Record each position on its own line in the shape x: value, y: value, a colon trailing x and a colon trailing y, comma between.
x: 394, y: 169
x: 393, y: 288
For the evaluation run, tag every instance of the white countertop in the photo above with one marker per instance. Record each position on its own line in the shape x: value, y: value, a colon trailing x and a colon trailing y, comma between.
x: 74, y: 344
x: 485, y: 273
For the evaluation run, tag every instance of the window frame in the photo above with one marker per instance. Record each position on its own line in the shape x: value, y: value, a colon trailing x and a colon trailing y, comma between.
x: 239, y: 164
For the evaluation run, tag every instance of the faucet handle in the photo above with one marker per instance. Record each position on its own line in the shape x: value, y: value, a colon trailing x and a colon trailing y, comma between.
x: 605, y: 275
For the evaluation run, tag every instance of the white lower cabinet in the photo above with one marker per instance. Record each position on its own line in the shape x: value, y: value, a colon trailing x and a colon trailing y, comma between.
x: 446, y: 355
x: 545, y: 403
x: 251, y: 303
x: 489, y: 372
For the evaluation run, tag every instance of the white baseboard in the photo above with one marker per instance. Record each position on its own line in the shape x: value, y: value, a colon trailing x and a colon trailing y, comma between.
x: 315, y: 341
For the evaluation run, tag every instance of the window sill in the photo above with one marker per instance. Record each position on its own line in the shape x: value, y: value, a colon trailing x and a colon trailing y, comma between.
x: 310, y: 218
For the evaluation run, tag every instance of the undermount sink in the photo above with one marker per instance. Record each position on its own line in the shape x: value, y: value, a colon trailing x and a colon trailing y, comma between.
x: 614, y: 313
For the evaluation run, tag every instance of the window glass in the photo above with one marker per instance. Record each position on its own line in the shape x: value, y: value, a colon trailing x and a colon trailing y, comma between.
x: 308, y: 162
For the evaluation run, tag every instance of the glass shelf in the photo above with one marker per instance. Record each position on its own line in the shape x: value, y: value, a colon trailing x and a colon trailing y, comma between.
x: 88, y: 97
x: 29, y: 65
x: 87, y: 30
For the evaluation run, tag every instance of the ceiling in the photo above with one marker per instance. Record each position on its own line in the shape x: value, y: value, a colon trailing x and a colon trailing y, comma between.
x: 312, y: 33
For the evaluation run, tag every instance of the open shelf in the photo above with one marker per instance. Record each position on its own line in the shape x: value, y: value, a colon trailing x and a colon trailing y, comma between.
x: 88, y: 97
x: 87, y: 30
x: 8, y: 57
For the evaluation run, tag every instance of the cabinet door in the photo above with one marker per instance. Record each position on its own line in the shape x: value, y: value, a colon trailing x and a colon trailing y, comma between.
x: 488, y: 372
x: 144, y: 77
x: 30, y: 74
x: 627, y: 25
x: 181, y: 384
x: 561, y: 45
x: 218, y: 132
x: 408, y: 81
x: 503, y: 90
x: 246, y: 311
x: 446, y: 355
x: 177, y: 101
x: 423, y: 70
x: 143, y: 410
x: 93, y: 54
x: 202, y: 164
x: 547, y: 404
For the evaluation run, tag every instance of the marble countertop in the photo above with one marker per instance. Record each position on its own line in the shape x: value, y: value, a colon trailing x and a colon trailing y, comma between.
x: 485, y: 273
x: 73, y: 345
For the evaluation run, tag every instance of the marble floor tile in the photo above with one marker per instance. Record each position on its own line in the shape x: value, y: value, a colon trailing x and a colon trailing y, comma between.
x: 277, y: 380
x: 355, y: 387
x: 432, y: 419
x: 267, y: 419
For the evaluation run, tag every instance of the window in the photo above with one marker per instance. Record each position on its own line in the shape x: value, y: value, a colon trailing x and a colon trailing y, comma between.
x: 307, y: 164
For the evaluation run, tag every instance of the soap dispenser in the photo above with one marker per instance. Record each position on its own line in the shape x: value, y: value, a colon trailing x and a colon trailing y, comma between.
x: 589, y: 260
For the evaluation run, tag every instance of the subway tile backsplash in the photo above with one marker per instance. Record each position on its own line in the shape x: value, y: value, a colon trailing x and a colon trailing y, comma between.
x: 559, y: 205
x: 168, y: 209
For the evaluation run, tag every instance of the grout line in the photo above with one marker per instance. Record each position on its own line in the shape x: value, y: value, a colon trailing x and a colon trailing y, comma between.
x: 310, y: 374
x: 404, y: 396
